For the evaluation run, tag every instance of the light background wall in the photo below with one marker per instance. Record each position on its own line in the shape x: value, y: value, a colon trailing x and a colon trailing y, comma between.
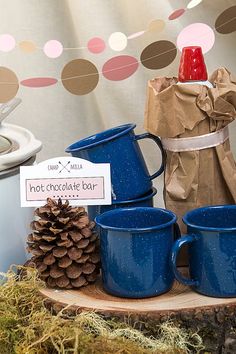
x: 59, y: 118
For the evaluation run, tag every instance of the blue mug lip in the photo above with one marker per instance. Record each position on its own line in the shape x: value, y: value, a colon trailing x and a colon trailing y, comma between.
x: 125, y: 129
x: 206, y: 208
x: 110, y: 213
x: 150, y: 194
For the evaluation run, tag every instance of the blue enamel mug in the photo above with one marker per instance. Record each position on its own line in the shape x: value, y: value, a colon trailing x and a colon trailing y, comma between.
x: 211, y: 240
x: 135, y: 247
x: 145, y: 201
x: 119, y: 147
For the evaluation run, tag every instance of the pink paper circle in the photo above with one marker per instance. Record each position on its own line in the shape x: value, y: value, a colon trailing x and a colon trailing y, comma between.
x: 120, y: 67
x: 39, y: 82
x: 53, y: 48
x: 176, y: 14
x: 7, y: 42
x: 196, y: 34
x: 96, y: 45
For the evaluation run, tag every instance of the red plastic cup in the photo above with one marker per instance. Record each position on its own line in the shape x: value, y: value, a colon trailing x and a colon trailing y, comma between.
x: 192, y: 66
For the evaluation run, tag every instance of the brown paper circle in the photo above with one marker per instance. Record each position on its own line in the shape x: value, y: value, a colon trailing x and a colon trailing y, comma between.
x: 9, y: 84
x: 226, y: 21
x: 79, y: 76
x: 27, y: 46
x: 158, y: 55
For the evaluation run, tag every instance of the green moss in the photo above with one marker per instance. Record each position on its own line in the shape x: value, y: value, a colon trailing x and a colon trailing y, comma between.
x: 27, y: 327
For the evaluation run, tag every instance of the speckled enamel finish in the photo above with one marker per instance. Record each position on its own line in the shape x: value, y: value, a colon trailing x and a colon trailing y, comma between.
x: 119, y: 147
x: 135, y: 251
x: 144, y: 201
x: 212, y: 250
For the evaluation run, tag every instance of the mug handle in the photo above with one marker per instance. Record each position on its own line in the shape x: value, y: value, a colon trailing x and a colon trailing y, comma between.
x: 159, y: 144
x: 174, y: 254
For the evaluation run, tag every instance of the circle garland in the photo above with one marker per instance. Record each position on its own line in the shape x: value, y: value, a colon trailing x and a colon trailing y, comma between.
x: 155, y: 56
x: 9, y: 84
x: 27, y: 46
x: 176, y: 14
x: 198, y: 34
x: 226, y: 21
x: 53, y: 48
x: 7, y: 42
x: 167, y: 50
x: 96, y: 45
x: 120, y: 67
x: 117, y: 41
x: 79, y: 76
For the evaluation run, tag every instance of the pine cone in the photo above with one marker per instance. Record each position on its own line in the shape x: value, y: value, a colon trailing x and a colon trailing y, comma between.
x: 64, y: 245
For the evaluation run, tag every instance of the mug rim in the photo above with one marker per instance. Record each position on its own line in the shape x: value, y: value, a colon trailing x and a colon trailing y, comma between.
x: 127, y: 128
x: 134, y: 229
x: 208, y: 228
x: 150, y: 194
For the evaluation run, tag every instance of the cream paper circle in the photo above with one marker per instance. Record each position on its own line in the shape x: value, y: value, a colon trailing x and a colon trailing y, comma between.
x: 117, y: 41
x: 193, y: 3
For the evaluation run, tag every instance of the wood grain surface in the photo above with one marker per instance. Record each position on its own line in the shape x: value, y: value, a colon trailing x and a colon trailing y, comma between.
x: 93, y: 297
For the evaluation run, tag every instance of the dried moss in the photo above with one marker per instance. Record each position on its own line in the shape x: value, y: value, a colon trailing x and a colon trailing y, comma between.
x: 27, y: 327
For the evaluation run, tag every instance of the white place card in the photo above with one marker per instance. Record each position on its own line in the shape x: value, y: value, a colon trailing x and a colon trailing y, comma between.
x: 69, y: 178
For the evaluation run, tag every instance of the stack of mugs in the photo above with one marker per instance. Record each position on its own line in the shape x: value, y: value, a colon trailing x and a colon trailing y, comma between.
x: 132, y: 194
x: 139, y: 243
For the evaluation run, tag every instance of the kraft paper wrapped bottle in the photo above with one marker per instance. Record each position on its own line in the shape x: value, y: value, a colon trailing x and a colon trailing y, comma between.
x: 192, y: 121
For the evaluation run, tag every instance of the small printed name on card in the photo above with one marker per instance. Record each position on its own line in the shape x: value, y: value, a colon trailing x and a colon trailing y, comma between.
x: 79, y: 181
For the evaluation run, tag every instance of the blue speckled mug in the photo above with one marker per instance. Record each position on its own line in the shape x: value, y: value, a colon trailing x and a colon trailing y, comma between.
x: 135, y: 251
x: 212, y: 250
x: 119, y: 147
x: 145, y: 201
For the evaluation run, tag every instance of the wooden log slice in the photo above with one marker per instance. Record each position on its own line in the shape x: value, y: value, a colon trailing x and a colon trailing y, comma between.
x: 93, y: 297
x: 213, y: 318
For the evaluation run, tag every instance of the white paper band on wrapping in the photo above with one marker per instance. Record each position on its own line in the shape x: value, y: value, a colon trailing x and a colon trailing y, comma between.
x: 197, y: 142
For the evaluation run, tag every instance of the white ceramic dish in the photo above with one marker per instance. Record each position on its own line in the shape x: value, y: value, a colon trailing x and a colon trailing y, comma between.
x: 27, y: 145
